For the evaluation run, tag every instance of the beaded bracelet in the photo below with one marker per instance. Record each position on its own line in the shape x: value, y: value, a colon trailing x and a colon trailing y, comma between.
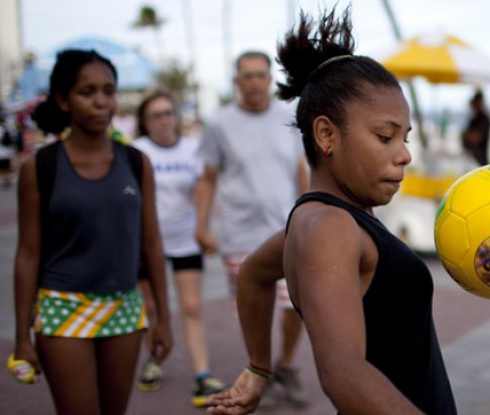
x: 256, y: 370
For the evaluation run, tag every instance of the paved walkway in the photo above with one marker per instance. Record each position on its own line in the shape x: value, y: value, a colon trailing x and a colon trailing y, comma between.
x: 462, y: 321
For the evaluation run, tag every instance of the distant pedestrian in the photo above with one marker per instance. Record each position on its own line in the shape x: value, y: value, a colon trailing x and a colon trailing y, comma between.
x: 255, y: 167
x: 475, y: 134
x: 176, y: 170
x: 80, y: 245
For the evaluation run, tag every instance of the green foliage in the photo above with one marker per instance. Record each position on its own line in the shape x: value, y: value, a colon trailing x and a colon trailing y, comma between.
x: 148, y: 17
x: 177, y: 79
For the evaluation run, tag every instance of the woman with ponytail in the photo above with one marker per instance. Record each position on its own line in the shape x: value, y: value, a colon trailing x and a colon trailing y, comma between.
x: 79, y: 247
x: 365, y: 297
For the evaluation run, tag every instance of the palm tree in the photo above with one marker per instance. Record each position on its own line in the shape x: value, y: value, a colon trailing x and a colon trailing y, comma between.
x: 227, y: 44
x: 148, y: 19
x: 178, y: 80
x: 191, y: 49
x: 290, y: 13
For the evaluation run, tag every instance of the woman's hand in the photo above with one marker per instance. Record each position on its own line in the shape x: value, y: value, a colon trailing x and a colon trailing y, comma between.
x: 243, y: 397
x: 206, y: 241
x: 27, y: 351
x: 161, y: 341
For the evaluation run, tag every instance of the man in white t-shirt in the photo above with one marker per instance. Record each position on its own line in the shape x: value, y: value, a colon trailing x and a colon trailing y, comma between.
x: 254, y: 163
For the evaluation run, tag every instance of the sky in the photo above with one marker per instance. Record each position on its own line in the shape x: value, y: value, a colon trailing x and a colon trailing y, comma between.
x: 211, y: 33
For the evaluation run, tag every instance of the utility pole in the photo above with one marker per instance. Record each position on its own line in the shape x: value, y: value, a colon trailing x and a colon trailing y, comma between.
x: 227, y: 43
x: 290, y: 12
x: 411, y: 87
x: 191, y: 48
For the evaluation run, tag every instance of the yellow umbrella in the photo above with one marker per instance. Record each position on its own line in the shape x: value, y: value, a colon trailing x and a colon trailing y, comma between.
x: 439, y: 59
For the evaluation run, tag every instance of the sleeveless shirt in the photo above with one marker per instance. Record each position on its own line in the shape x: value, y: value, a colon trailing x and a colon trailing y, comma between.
x: 400, y: 333
x: 94, y: 229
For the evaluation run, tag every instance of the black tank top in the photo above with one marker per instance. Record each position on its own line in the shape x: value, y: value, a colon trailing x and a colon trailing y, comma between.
x: 401, y: 338
x: 94, y: 229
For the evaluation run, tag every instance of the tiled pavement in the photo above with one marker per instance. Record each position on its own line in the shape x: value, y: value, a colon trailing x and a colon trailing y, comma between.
x: 462, y: 321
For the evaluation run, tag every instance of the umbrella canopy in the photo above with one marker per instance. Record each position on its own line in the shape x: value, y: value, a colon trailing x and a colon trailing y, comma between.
x: 439, y: 59
x: 135, y: 71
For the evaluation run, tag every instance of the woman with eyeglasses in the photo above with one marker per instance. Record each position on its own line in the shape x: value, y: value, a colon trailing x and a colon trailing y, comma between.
x: 176, y: 171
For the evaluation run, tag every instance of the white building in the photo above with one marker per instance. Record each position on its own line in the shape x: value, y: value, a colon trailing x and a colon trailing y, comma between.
x: 10, y: 46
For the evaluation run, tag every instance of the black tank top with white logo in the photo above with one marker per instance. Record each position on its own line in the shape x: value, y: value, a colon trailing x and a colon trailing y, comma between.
x: 94, y: 229
x: 401, y: 338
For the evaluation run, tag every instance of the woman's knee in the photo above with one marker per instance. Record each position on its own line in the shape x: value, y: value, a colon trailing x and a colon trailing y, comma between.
x: 191, y: 309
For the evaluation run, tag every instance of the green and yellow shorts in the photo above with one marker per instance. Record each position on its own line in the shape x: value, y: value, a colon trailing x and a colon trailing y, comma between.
x: 88, y: 315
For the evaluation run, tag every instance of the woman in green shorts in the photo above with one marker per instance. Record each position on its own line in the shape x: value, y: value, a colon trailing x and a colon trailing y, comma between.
x: 78, y: 252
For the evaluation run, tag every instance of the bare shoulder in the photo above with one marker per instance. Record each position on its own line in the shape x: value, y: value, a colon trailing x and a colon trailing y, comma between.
x: 144, y: 158
x: 325, y: 243
x: 324, y: 237
x: 314, y: 223
x: 27, y: 171
x: 147, y: 167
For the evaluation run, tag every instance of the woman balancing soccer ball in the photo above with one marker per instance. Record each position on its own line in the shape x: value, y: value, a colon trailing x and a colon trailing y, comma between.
x: 365, y: 297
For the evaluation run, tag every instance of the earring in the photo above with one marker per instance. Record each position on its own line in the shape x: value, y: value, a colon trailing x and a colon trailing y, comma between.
x: 65, y: 133
x: 328, y: 152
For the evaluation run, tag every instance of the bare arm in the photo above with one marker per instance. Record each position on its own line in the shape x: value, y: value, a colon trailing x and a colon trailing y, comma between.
x: 324, y: 254
x: 204, y: 195
x: 27, y: 259
x: 256, y: 295
x: 154, y: 261
x: 303, y: 176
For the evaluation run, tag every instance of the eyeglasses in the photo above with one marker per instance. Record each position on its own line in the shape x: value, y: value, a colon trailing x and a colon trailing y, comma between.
x: 159, y: 115
x: 247, y: 76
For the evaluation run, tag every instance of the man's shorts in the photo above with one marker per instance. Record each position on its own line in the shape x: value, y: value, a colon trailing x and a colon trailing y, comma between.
x: 232, y: 264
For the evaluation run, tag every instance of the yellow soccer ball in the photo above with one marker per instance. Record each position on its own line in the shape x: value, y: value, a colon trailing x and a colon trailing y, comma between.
x: 462, y: 231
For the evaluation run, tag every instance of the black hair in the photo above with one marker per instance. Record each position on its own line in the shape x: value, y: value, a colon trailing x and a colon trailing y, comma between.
x: 140, y: 112
x: 252, y: 54
x: 477, y: 97
x: 48, y: 115
x: 325, y: 89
